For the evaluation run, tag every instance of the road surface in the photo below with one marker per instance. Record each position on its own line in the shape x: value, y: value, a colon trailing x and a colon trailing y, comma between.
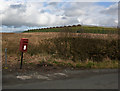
x: 67, y: 79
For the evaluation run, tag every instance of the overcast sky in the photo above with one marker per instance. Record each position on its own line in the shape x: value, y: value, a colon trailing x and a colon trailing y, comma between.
x: 20, y: 15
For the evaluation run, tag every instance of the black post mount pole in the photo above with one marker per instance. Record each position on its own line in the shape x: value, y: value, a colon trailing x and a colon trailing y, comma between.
x: 21, y: 60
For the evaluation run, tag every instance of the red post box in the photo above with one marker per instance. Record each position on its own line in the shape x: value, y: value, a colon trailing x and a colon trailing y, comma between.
x: 23, y: 44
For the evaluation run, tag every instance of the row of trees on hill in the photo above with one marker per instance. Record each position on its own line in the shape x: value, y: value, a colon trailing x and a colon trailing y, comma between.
x: 57, y: 27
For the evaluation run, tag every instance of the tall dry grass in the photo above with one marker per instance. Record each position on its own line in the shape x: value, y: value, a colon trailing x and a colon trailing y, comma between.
x: 65, y: 44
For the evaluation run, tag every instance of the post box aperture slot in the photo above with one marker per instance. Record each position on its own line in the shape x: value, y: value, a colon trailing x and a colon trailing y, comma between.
x: 25, y: 41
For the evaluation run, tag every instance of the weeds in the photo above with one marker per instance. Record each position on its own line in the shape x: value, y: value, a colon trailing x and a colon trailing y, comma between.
x: 31, y: 63
x: 78, y: 65
x: 73, y: 48
x: 69, y: 65
x: 90, y: 64
x: 68, y: 46
x: 85, y: 48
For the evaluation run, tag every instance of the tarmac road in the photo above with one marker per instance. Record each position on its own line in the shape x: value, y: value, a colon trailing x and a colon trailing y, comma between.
x: 76, y: 79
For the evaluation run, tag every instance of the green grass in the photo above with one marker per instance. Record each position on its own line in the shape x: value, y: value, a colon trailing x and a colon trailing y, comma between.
x: 86, y: 65
x: 79, y: 29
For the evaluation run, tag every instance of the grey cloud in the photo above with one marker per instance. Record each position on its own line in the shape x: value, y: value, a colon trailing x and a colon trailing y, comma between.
x: 64, y: 17
x: 74, y: 13
x: 113, y: 10
x: 42, y: 11
x: 76, y: 9
x: 53, y: 3
x: 33, y: 14
x: 16, y: 6
x: 19, y: 7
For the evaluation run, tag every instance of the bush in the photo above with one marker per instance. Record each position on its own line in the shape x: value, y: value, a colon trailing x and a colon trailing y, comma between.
x: 78, y: 65
x: 85, y: 48
x: 77, y: 48
x: 89, y: 64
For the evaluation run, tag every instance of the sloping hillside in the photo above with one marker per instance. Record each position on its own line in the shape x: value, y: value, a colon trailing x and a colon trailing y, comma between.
x: 77, y: 29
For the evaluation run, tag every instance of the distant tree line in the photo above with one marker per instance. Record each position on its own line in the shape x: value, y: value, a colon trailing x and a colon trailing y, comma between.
x: 56, y: 27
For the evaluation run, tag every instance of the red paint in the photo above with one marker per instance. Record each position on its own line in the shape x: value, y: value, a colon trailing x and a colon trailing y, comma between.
x: 23, y: 44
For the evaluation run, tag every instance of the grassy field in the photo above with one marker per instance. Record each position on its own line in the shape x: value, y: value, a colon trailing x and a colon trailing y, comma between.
x: 64, y: 49
x: 78, y: 29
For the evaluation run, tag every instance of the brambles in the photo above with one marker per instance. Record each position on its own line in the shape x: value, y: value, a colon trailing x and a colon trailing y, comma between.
x: 31, y: 63
x: 75, y: 48
x: 55, y: 62
x: 81, y: 49
x: 43, y: 63
x: 67, y: 45
x: 69, y: 65
x: 90, y: 64
x: 78, y: 65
